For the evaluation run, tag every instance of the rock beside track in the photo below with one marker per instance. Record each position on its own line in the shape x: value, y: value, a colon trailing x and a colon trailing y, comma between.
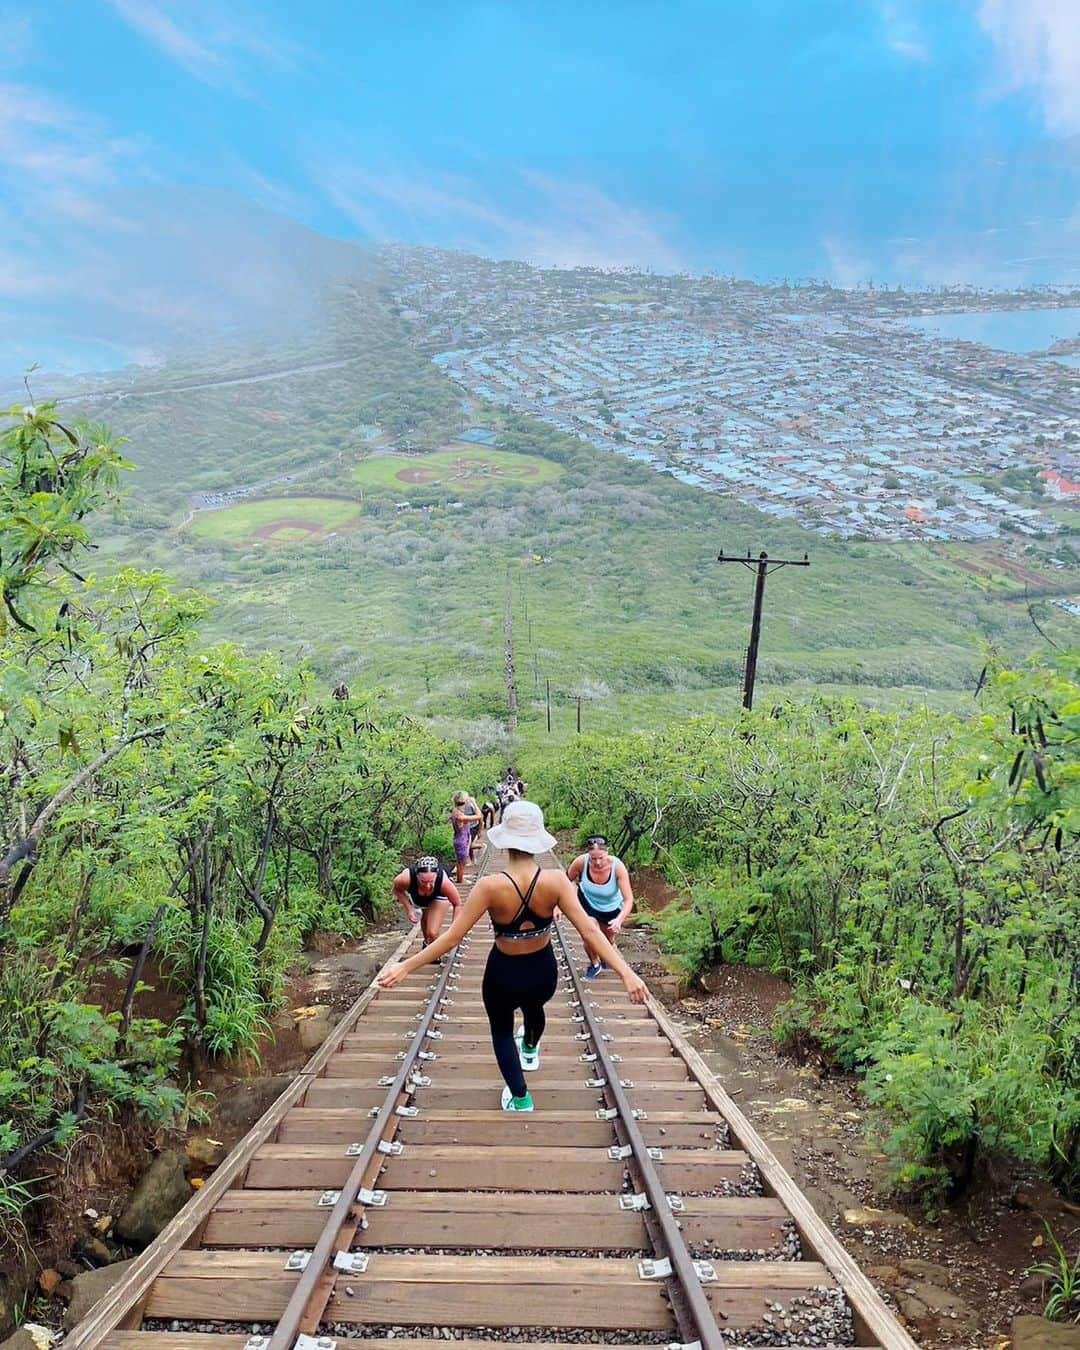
x: 88, y: 1288
x: 1036, y: 1333
x: 160, y: 1194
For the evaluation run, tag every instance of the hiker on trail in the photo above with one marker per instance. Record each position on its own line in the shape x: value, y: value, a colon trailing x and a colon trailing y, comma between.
x: 475, y: 828
x: 521, y: 970
x: 423, y: 891
x: 461, y: 818
x: 491, y: 807
x: 509, y: 790
x: 603, y: 887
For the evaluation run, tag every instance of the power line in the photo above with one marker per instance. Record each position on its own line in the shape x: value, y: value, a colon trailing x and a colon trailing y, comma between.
x: 762, y: 565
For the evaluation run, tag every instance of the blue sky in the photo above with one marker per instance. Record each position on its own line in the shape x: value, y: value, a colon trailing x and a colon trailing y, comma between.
x: 934, y: 141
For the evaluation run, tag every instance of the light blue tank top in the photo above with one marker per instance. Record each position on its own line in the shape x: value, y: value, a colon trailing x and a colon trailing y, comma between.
x: 607, y: 898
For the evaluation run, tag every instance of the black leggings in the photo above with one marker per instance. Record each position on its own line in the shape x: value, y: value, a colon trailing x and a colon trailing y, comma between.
x: 512, y: 982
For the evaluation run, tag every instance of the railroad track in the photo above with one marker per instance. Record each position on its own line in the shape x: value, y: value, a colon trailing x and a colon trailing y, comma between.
x: 386, y: 1198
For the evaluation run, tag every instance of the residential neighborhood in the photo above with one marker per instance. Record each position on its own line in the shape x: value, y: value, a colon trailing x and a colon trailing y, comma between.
x: 833, y: 412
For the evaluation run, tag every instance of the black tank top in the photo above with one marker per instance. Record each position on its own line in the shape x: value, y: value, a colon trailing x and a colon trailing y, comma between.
x: 512, y: 931
x: 421, y: 900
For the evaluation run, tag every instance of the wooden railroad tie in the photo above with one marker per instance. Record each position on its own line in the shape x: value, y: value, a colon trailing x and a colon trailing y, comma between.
x: 386, y: 1189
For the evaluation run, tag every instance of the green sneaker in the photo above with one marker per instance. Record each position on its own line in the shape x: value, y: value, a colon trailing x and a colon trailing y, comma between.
x: 512, y: 1103
x: 529, y: 1055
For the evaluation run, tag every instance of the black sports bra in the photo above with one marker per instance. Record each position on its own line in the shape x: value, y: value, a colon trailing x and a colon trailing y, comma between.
x: 512, y: 931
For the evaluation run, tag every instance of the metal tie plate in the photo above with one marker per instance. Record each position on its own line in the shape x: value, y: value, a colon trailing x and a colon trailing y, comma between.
x: 352, y: 1263
x: 328, y: 1199
x: 634, y: 1202
x: 393, y: 1148
x: 619, y: 1152
x: 297, y: 1260
x: 654, y: 1270
x: 314, y: 1343
x: 378, y: 1199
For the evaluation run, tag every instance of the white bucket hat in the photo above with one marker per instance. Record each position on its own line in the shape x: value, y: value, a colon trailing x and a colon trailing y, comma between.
x: 522, y: 828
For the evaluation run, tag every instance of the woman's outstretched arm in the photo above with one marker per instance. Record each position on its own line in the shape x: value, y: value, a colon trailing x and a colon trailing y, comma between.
x: 464, y: 918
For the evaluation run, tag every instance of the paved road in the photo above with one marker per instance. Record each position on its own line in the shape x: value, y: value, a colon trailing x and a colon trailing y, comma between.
x: 117, y: 395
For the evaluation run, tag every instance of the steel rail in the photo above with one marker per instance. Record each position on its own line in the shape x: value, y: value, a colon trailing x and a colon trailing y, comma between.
x: 695, y: 1317
x: 314, y: 1281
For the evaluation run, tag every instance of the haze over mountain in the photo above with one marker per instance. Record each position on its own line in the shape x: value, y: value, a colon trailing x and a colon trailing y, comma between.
x: 150, y: 270
x: 903, y: 140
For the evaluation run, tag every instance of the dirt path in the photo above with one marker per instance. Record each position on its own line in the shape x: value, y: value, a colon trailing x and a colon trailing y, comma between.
x: 956, y: 1283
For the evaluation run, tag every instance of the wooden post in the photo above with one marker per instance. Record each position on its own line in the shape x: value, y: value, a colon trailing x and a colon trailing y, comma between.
x: 511, y: 683
x: 579, y: 714
x: 548, y: 683
x: 762, y: 565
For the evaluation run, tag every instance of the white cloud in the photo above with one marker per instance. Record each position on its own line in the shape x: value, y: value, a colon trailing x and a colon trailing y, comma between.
x: 163, y: 32
x: 18, y: 30
x: 54, y: 163
x: 46, y: 145
x: 213, y: 43
x: 1037, y: 44
x: 849, y: 266
x: 558, y: 222
x: 902, y: 33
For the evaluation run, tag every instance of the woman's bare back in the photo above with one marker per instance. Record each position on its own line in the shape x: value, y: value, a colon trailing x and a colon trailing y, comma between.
x: 504, y: 899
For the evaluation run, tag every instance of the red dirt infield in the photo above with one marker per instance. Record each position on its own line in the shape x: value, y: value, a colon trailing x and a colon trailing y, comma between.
x: 287, y: 523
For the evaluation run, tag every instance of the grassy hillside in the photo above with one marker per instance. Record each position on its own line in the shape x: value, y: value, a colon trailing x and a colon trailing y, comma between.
x: 381, y: 545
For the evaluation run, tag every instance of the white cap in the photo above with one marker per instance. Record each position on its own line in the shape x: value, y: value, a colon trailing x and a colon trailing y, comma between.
x: 522, y: 828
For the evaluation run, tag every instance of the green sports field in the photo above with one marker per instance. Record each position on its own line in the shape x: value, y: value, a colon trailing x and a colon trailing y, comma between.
x: 276, y: 520
x: 453, y: 471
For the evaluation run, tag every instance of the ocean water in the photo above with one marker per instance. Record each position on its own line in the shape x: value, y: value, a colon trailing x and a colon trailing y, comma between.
x: 1009, y: 330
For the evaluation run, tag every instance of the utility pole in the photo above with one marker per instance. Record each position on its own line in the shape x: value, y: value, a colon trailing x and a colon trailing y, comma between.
x: 508, y: 634
x: 762, y: 565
